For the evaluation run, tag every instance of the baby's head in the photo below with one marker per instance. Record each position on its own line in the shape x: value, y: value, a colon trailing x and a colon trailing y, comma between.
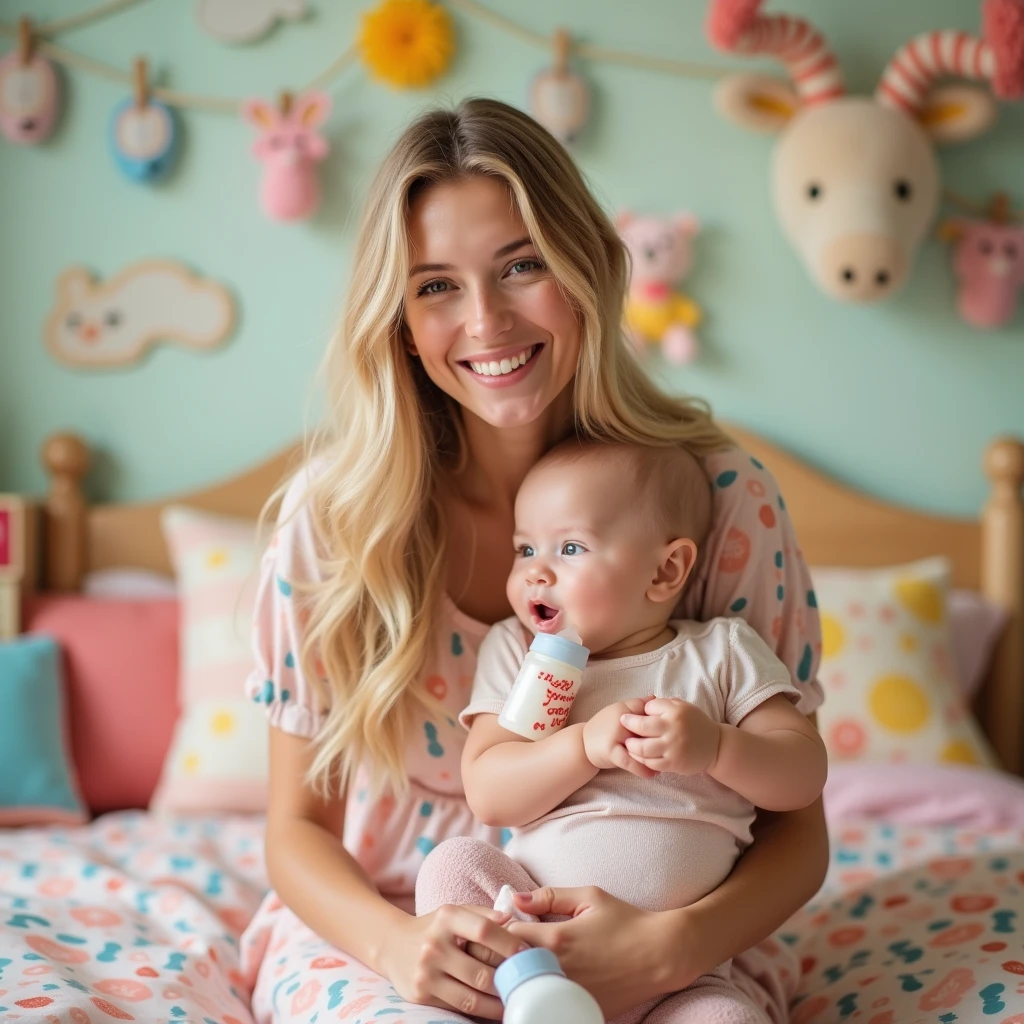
x: 606, y: 537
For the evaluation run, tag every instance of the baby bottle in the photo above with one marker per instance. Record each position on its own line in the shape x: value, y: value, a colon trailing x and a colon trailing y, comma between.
x: 542, y: 695
x: 534, y: 990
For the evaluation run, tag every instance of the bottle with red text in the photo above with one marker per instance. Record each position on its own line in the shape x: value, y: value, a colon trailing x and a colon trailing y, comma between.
x: 546, y: 686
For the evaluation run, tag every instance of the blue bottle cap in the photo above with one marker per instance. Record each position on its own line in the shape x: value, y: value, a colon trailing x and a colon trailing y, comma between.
x: 560, y: 649
x: 522, y: 967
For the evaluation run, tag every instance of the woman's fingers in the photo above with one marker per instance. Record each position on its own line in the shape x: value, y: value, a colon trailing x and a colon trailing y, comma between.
x: 482, y: 926
x: 466, y: 1000
x: 565, y: 902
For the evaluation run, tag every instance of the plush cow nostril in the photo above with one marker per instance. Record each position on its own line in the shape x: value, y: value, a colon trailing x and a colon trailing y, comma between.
x: 848, y: 275
x: 882, y: 278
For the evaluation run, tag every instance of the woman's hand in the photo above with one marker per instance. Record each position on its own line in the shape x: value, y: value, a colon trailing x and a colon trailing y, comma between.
x: 623, y: 956
x: 426, y: 960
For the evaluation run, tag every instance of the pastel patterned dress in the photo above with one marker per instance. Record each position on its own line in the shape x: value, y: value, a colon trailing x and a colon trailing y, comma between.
x: 751, y: 567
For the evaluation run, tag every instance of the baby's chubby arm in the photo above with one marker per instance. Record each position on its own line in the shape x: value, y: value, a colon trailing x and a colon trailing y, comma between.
x: 774, y: 757
x: 511, y: 781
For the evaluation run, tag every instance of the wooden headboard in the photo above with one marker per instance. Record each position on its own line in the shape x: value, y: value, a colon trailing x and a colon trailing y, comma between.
x: 835, y: 525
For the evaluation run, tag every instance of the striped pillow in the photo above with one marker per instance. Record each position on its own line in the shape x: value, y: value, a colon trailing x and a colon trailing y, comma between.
x: 218, y: 756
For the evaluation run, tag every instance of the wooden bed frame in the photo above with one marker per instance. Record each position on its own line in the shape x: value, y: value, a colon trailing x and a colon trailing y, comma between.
x: 836, y: 526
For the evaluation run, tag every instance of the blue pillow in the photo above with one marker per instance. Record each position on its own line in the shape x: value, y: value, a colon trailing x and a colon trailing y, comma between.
x: 36, y: 782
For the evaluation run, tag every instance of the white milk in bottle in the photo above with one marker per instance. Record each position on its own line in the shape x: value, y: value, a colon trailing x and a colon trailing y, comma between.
x: 535, y: 990
x: 542, y: 695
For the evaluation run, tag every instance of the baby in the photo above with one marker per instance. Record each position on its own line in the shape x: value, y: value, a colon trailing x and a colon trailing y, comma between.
x: 678, y: 731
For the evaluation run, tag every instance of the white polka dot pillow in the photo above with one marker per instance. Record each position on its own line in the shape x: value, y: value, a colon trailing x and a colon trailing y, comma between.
x: 218, y: 757
x: 888, y: 670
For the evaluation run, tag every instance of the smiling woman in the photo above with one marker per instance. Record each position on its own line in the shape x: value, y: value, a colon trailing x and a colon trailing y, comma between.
x: 483, y: 326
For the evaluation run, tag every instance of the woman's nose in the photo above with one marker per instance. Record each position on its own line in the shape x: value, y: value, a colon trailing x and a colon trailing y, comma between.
x: 490, y: 316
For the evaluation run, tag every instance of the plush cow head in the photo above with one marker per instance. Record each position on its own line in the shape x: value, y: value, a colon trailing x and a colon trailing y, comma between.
x: 855, y: 180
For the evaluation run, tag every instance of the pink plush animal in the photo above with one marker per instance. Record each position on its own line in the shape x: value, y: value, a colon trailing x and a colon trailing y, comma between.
x: 855, y: 178
x: 989, y: 265
x: 661, y: 252
x: 29, y: 92
x: 290, y: 147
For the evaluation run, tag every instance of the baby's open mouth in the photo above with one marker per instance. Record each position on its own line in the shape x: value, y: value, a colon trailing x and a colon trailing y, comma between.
x: 546, y: 617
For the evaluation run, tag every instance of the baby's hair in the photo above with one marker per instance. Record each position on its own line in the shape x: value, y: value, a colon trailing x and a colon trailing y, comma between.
x: 672, y: 490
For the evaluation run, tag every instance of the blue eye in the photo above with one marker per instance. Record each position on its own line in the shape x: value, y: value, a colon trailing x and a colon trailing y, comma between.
x: 428, y: 288
x: 572, y: 548
x: 525, y: 551
x: 530, y: 264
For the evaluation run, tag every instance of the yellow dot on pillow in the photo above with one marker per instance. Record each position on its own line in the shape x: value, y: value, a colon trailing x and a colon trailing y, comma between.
x: 216, y: 558
x: 921, y: 598
x: 959, y: 752
x: 832, y: 636
x: 898, y: 703
x: 190, y: 763
x: 222, y: 723
x: 908, y: 642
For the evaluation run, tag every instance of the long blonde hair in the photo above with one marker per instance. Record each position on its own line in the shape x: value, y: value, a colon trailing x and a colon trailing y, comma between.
x: 390, y: 435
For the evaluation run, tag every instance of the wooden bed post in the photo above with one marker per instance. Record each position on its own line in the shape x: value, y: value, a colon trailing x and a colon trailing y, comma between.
x: 1002, y: 582
x: 66, y: 458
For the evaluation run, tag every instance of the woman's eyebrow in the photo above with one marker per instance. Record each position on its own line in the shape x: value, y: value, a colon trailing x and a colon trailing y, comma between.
x: 433, y: 268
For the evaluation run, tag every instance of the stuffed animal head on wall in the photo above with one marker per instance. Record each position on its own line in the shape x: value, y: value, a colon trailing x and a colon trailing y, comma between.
x: 95, y: 325
x: 855, y: 181
x: 988, y: 262
x: 290, y: 147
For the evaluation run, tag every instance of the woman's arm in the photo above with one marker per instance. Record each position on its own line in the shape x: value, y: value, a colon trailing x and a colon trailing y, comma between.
x: 423, y: 957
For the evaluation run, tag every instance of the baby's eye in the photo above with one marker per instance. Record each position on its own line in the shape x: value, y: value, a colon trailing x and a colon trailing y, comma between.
x: 525, y: 551
x: 570, y: 547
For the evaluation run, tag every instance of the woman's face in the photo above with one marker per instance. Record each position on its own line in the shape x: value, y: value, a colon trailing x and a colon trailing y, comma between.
x: 484, y: 314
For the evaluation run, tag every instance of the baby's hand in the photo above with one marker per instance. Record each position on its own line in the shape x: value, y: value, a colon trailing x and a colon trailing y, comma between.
x: 672, y: 736
x: 604, y: 738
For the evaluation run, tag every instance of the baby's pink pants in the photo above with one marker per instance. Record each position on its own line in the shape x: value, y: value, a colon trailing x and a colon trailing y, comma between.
x: 468, y: 872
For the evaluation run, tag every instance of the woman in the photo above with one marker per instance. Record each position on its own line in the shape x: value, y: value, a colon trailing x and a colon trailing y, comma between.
x: 483, y: 326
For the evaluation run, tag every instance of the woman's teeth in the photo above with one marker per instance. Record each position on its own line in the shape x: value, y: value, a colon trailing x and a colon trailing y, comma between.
x: 497, y: 368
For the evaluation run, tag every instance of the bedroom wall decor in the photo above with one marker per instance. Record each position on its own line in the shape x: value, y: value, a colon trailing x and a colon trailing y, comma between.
x: 855, y: 180
x: 407, y: 43
x: 559, y: 97
x: 290, y: 147
x: 98, y: 325
x: 143, y: 135
x: 29, y: 91
x: 988, y: 263
x: 661, y: 256
x: 245, y: 21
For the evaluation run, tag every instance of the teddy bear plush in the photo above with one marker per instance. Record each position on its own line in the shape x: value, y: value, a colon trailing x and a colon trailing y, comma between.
x: 661, y: 252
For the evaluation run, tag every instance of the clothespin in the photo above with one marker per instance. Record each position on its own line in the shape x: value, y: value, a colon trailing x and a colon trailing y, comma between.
x: 141, y: 83
x: 26, y: 40
x: 561, y: 43
x: 999, y: 210
x: 284, y: 102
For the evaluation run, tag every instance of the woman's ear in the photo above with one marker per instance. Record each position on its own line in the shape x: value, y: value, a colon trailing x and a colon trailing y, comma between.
x: 410, y: 345
x: 677, y: 562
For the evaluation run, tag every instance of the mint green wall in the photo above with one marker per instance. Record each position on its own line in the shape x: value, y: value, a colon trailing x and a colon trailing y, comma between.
x: 898, y: 399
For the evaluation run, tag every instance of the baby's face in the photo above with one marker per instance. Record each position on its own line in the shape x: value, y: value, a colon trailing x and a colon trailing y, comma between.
x: 584, y: 554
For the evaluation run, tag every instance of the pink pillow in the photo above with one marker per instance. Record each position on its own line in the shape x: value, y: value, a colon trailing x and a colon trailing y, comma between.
x: 121, y: 660
x: 976, y: 624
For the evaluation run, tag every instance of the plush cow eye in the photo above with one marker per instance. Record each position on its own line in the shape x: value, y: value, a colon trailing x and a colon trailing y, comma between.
x: 902, y: 190
x: 814, y: 190
x: 1010, y: 249
x: 985, y: 246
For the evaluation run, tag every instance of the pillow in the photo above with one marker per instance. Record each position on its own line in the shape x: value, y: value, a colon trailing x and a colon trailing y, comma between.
x: 976, y: 624
x: 121, y: 662
x: 887, y: 668
x: 218, y: 758
x: 133, y: 583
x: 36, y: 782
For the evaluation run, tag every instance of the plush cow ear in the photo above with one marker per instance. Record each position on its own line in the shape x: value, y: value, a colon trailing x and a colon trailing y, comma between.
x: 956, y: 113
x: 759, y: 102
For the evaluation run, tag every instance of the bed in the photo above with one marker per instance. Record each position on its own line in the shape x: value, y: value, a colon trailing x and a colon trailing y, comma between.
x: 921, y: 917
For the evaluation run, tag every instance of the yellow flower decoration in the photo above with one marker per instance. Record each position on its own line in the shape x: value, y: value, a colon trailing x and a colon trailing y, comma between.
x: 407, y: 43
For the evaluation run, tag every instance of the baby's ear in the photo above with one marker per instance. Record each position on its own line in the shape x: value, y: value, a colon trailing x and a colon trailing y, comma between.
x: 677, y: 562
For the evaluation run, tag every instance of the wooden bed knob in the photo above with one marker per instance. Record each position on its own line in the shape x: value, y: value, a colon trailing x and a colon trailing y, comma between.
x: 1004, y: 461
x: 66, y: 455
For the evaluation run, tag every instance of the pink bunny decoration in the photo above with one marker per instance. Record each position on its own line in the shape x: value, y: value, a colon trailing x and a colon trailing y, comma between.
x: 290, y: 147
x: 989, y: 266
